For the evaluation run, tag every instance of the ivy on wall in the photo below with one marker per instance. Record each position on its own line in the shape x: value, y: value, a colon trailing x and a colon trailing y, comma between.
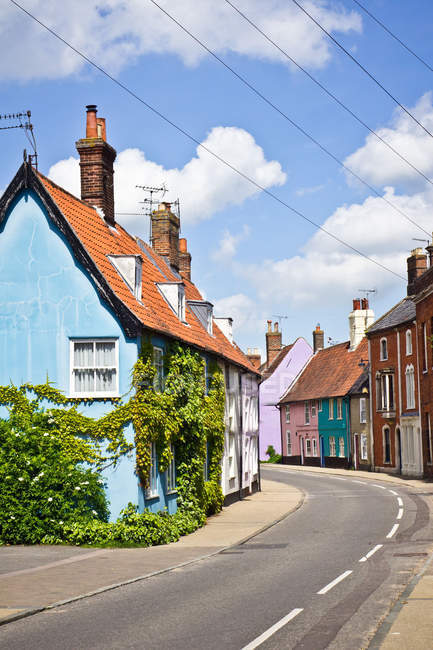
x: 182, y: 417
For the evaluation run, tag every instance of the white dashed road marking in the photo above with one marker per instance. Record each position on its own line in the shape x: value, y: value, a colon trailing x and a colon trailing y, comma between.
x: 400, y: 502
x: 269, y: 632
x: 400, y: 513
x: 392, y: 531
x: 333, y: 583
x: 379, y: 486
x: 370, y: 553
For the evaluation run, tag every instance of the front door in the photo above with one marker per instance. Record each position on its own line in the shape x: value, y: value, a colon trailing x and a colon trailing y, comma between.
x: 322, y: 452
x: 356, y: 450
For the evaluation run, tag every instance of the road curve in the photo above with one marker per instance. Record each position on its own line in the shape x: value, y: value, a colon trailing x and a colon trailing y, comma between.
x: 322, y: 578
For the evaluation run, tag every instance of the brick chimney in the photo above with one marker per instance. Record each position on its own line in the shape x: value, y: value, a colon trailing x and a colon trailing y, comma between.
x: 273, y: 343
x: 254, y: 357
x: 318, y: 339
x: 416, y: 265
x: 164, y: 238
x: 96, y: 166
x: 184, y: 259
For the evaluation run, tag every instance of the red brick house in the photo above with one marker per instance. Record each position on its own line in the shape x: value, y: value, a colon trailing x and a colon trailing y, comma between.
x: 395, y: 380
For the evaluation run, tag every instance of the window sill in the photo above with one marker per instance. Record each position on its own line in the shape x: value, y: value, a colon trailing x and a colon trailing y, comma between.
x: 94, y: 396
x: 151, y: 497
x: 171, y: 492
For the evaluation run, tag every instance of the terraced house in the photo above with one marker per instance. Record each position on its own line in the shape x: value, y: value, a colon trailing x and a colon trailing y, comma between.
x: 315, y: 411
x: 78, y: 293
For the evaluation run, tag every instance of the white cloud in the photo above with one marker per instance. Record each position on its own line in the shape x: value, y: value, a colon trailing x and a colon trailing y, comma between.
x: 304, y: 191
x: 326, y: 267
x: 116, y: 33
x: 241, y: 308
x: 229, y: 243
x: 375, y: 163
x: 204, y: 185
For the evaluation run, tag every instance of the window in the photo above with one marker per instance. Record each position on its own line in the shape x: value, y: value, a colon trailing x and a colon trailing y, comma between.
x: 314, y: 447
x: 308, y: 447
x: 152, y: 490
x: 319, y: 406
x: 339, y: 408
x: 363, y: 410
x: 331, y: 409
x: 313, y: 409
x: 386, y: 446
x: 408, y: 342
x: 288, y: 413
x: 232, y: 468
x: 383, y: 349
x: 410, y: 387
x: 424, y: 347
x: 170, y: 474
x: 307, y: 412
x: 158, y: 362
x: 94, y: 367
x: 385, y: 395
x: 332, y: 446
x: 174, y: 293
x: 364, y: 454
x: 341, y: 446
x: 289, y: 443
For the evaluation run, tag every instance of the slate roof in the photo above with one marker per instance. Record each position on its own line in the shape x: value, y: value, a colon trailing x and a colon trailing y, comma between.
x: 403, y: 312
x: 92, y: 240
x: 361, y: 382
x: 331, y: 372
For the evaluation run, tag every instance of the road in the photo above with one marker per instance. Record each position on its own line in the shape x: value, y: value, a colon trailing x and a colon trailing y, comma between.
x: 322, y: 578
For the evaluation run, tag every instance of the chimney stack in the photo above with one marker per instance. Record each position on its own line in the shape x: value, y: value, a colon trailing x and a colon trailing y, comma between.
x: 416, y: 265
x: 273, y: 343
x: 165, y: 227
x: 360, y: 319
x: 96, y: 166
x: 318, y: 339
x: 254, y: 357
x: 184, y: 259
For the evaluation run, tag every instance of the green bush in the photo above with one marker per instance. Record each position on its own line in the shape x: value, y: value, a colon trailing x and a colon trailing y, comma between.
x: 41, y: 487
x: 273, y: 456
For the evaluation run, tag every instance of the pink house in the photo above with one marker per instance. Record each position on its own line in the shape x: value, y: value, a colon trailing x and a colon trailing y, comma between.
x: 300, y: 432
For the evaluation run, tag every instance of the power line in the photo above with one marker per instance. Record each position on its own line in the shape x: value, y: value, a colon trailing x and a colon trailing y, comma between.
x: 325, y: 90
x: 286, y: 117
x: 204, y: 147
x: 363, y: 68
x: 394, y: 36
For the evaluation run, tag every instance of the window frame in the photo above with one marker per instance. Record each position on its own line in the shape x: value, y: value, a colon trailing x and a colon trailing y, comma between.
x: 289, y: 443
x: 307, y: 411
x: 339, y: 408
x: 331, y: 408
x: 287, y: 413
x: 383, y: 349
x: 341, y: 453
x: 315, y: 447
x: 410, y: 386
x: 313, y: 408
x: 93, y: 394
x: 386, y: 445
x: 363, y: 410
x: 409, y: 347
x: 319, y: 406
x: 307, y: 446
x: 332, y: 447
x: 363, y: 446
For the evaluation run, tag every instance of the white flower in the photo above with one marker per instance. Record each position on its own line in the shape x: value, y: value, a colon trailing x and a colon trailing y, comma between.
x: 50, y: 420
x: 94, y: 512
x: 78, y: 488
x: 53, y: 520
x: 46, y: 434
x: 12, y: 517
x: 60, y: 522
x: 40, y: 474
x: 36, y: 478
x: 50, y: 498
x: 85, y: 483
x: 17, y: 435
x: 20, y: 478
x: 28, y: 462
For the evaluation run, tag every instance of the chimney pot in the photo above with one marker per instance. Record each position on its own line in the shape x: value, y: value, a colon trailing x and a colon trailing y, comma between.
x: 318, y: 339
x: 416, y: 266
x: 275, y: 327
x: 96, y: 166
x: 356, y: 304
x: 364, y: 303
x: 269, y: 325
x: 184, y: 259
x: 273, y: 343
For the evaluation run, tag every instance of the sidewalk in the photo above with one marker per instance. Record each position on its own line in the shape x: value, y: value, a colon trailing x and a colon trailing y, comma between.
x: 33, y: 578
x: 409, y: 624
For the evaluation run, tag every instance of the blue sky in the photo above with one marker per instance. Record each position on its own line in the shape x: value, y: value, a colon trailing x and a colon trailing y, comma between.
x: 251, y: 256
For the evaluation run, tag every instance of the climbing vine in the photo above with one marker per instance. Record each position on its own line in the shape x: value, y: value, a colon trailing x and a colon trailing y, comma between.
x: 184, y: 418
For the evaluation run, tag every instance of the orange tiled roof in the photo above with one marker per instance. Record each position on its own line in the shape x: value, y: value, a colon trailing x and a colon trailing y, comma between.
x: 100, y: 240
x: 330, y: 373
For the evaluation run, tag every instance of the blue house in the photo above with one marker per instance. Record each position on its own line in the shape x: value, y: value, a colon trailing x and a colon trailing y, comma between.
x: 77, y: 293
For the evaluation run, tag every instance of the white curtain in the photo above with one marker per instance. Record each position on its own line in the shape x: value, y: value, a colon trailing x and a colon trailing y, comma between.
x: 105, y: 357
x: 83, y: 355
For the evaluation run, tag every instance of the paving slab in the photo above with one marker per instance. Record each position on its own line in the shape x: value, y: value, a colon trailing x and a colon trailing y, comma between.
x: 36, y: 577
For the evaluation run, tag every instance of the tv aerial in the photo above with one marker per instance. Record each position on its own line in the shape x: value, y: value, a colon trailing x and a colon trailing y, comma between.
x: 22, y: 121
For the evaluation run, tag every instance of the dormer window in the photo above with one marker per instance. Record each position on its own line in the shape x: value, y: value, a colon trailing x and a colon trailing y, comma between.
x: 383, y: 349
x: 174, y: 294
x: 129, y: 268
x: 203, y: 310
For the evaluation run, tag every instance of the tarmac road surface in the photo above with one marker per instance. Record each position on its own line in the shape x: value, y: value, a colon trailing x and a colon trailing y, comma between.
x: 322, y: 578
